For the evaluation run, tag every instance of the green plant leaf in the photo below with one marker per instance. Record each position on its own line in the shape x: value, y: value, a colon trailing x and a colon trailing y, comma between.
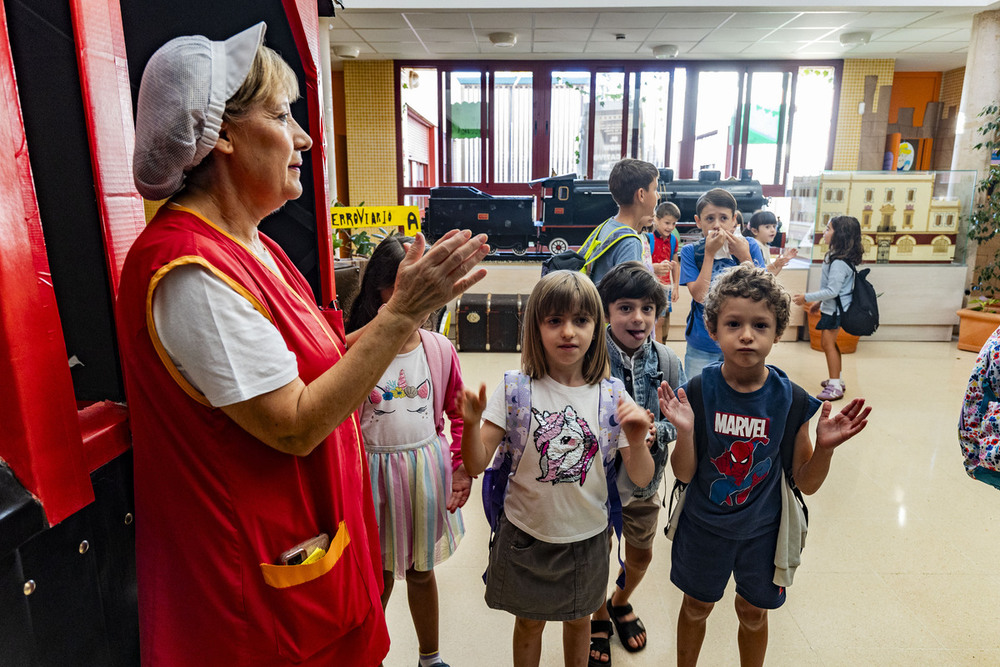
x: 984, y: 219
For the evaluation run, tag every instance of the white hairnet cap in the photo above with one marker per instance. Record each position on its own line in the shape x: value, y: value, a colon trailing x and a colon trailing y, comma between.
x: 182, y: 97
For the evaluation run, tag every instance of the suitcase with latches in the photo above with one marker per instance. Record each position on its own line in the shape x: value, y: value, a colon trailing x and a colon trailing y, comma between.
x: 489, y: 322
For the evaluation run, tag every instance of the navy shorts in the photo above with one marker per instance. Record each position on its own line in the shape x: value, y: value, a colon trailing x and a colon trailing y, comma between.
x: 701, y: 563
x: 828, y: 321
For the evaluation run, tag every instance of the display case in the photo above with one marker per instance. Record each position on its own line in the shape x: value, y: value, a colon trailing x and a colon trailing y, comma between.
x: 906, y: 217
x: 913, y: 231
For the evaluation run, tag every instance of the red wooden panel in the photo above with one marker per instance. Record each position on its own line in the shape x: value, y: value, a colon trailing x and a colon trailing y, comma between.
x: 42, y: 441
x: 105, y: 432
x: 107, y: 103
x: 303, y: 19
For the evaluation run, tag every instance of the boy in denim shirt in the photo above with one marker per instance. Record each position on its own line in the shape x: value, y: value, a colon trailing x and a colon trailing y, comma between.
x: 633, y: 298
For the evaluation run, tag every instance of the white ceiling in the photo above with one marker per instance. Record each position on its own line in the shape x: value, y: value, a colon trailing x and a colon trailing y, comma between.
x: 919, y: 37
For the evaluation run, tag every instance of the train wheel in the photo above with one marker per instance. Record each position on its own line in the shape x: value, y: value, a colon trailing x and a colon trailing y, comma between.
x: 558, y: 245
x: 518, y: 249
x: 493, y: 249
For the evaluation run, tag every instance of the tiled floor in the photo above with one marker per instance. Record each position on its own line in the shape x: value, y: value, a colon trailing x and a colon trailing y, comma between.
x: 901, y: 562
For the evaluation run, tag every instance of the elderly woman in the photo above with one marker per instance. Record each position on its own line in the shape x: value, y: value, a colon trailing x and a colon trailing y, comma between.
x: 255, y: 533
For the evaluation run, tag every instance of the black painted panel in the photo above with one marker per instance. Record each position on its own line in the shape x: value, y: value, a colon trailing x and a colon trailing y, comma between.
x: 44, y: 53
x: 21, y: 516
x: 17, y: 645
x: 67, y: 615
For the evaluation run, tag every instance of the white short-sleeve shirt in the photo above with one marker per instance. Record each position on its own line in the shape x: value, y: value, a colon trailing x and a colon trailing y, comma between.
x: 559, y: 490
x: 220, y: 344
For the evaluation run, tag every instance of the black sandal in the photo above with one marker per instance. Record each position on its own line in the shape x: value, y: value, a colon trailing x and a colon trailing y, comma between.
x: 626, y: 629
x: 600, y: 644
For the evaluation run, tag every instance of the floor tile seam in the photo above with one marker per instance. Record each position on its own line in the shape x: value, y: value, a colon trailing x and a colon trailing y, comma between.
x: 908, y: 608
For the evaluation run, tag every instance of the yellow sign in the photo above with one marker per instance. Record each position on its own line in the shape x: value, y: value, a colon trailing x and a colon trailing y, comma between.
x: 351, y: 217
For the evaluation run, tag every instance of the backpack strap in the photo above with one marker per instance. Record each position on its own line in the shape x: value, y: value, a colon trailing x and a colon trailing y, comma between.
x: 604, y: 245
x: 591, y: 242
x: 611, y: 392
x: 800, y: 400
x: 840, y: 307
x: 693, y: 390
x: 669, y: 371
x: 439, y: 363
x: 517, y: 397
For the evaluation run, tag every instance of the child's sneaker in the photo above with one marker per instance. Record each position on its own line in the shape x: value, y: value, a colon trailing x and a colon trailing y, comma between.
x: 843, y: 385
x: 831, y: 392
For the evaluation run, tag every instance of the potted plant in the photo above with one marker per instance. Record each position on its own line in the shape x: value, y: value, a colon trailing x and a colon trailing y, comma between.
x: 981, y: 316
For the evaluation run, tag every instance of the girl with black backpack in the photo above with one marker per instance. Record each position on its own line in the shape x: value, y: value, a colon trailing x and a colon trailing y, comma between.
x: 843, y: 238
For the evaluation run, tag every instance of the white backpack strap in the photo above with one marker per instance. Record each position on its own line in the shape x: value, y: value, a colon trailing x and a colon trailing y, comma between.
x: 517, y: 395
x: 612, y: 390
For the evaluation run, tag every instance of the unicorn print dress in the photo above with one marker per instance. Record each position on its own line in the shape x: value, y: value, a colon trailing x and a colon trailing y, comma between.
x: 410, y: 468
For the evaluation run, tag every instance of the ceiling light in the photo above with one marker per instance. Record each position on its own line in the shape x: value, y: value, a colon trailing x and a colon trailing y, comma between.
x: 346, y: 51
x: 665, y: 51
x: 504, y: 40
x: 855, y: 38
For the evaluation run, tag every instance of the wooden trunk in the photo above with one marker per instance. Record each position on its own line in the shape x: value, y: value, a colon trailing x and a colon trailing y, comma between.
x: 489, y: 322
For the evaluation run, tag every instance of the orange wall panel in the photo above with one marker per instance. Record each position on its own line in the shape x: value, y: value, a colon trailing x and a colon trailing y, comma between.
x: 913, y: 90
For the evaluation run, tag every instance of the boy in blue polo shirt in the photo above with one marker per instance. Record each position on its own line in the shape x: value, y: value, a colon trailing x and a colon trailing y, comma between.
x: 732, y: 463
x: 722, y: 247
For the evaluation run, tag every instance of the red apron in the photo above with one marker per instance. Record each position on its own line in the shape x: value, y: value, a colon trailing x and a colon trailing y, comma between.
x: 215, y: 506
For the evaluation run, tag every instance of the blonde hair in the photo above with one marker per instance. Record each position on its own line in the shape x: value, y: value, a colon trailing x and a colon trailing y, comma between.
x: 564, y: 292
x: 269, y: 78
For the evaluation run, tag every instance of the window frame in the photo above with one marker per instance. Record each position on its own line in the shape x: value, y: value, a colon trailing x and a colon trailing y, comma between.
x: 632, y: 72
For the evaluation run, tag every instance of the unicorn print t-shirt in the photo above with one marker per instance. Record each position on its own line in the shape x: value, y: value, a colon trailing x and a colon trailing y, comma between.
x: 400, y: 409
x: 558, y: 492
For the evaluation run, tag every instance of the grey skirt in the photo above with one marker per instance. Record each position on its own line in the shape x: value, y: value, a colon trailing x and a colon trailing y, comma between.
x: 543, y: 581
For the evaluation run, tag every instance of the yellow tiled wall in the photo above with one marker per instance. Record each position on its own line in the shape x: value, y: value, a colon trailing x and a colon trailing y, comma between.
x: 371, y: 107
x: 852, y: 92
x: 951, y: 89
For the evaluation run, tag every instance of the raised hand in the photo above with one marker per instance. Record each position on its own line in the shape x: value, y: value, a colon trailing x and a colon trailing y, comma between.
x: 635, y: 421
x: 651, y: 435
x: 461, y: 485
x: 675, y: 408
x: 834, y: 431
x: 471, y: 404
x: 425, y: 282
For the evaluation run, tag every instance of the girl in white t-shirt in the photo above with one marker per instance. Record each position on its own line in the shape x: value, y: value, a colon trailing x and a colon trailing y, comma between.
x: 549, y: 560
x: 418, y: 484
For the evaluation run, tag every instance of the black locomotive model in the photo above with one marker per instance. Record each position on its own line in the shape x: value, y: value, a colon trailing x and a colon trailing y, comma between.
x: 508, y: 221
x: 571, y: 208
